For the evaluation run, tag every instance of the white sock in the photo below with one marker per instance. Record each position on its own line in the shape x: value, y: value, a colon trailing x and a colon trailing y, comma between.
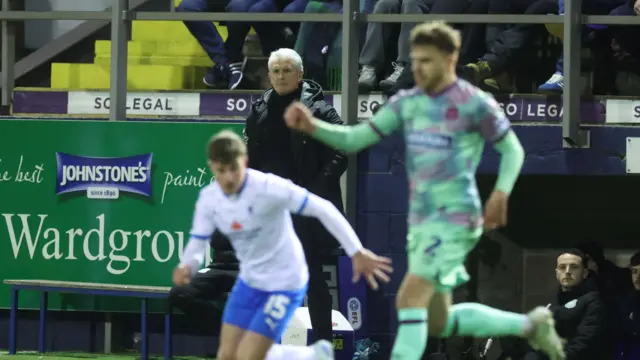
x: 290, y: 352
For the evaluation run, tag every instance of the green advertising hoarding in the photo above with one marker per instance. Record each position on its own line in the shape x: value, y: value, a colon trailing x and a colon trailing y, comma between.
x: 97, y: 201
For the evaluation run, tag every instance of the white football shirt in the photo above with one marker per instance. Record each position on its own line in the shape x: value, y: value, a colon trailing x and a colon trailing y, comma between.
x: 258, y: 223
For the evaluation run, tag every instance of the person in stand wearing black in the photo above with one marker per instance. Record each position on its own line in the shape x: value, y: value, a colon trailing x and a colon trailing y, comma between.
x: 626, y: 324
x: 211, y: 284
x: 613, y: 281
x: 273, y: 148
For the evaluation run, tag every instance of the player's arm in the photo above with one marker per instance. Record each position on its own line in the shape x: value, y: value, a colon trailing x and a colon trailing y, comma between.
x: 201, y: 231
x: 302, y: 202
x: 511, y: 160
x: 496, y: 129
x: 358, y: 137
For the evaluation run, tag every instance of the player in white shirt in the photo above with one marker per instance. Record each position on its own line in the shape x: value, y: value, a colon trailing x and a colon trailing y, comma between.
x: 254, y: 210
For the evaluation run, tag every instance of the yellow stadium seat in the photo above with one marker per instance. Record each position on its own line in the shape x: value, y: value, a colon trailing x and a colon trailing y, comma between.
x: 139, y: 77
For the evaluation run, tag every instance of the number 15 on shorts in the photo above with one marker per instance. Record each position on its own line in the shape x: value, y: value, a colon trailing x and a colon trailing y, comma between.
x: 276, y: 309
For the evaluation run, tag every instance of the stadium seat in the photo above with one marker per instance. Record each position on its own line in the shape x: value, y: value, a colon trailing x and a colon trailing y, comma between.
x: 162, y: 55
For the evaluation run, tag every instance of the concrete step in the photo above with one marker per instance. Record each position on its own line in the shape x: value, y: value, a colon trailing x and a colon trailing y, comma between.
x: 170, y: 31
x: 204, y: 62
x: 154, y: 48
x: 187, y: 53
x: 139, y: 77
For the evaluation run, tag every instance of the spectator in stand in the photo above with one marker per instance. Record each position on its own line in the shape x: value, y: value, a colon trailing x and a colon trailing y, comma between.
x: 627, y: 36
x: 507, y: 45
x: 627, y: 320
x: 578, y: 312
x: 211, y: 284
x: 379, y: 39
x: 224, y: 73
x: 474, y: 43
x: 555, y: 84
x: 228, y: 56
x: 274, y: 148
x: 613, y: 281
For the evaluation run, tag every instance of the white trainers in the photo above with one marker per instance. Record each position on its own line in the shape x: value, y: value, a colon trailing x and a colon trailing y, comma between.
x: 543, y: 335
x: 324, y: 350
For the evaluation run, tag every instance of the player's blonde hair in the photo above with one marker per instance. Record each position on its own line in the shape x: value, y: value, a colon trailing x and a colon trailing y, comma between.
x: 438, y: 34
x: 226, y: 147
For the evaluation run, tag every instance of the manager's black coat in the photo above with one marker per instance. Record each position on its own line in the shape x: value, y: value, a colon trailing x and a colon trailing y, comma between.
x: 318, y: 167
x: 315, y: 167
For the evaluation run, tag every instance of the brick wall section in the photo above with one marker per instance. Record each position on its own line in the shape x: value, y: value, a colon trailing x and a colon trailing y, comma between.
x: 382, y: 209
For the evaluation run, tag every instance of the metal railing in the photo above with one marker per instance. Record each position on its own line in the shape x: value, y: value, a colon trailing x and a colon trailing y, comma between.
x: 120, y: 17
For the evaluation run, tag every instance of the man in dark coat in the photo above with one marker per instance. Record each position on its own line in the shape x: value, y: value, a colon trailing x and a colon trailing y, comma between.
x: 626, y: 324
x: 578, y: 311
x: 612, y: 280
x: 273, y: 148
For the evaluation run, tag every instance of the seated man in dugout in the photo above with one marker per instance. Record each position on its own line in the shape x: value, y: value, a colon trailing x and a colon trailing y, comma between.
x: 380, y: 36
x: 626, y: 322
x: 579, y: 313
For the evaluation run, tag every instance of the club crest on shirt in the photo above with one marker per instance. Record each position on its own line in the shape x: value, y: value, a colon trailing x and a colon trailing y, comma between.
x: 452, y: 113
x: 236, y: 226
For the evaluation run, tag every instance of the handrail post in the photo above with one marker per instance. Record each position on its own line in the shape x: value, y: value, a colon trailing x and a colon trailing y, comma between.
x: 8, y: 60
x: 572, y: 135
x: 119, y: 55
x: 349, y: 109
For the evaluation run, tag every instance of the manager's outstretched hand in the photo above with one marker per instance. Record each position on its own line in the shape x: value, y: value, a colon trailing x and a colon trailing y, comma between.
x: 299, y: 117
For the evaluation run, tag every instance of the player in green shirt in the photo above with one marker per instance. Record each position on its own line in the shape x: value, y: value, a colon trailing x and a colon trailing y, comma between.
x: 446, y: 122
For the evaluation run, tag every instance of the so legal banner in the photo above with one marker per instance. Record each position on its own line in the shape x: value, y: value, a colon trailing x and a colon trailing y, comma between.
x: 97, y: 201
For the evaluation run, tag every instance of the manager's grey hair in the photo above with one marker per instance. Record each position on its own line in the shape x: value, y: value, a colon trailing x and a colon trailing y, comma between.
x: 286, y: 54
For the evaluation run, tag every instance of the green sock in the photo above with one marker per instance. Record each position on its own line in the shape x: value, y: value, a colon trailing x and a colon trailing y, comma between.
x: 477, y: 320
x: 411, y: 339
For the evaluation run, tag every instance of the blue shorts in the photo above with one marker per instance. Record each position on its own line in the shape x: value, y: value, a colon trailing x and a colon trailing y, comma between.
x: 264, y: 312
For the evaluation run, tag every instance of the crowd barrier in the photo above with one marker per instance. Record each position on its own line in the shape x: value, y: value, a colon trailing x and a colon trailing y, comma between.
x: 211, y: 107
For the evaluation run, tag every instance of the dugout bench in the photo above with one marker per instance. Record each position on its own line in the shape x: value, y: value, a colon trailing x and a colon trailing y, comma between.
x: 47, y: 286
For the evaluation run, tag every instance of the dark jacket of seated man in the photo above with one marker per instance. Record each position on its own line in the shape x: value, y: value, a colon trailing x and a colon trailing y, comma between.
x: 209, y: 285
x: 580, y: 317
x: 578, y: 311
x: 626, y: 325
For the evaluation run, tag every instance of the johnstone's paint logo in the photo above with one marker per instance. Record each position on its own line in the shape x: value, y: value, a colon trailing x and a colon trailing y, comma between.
x: 103, y: 178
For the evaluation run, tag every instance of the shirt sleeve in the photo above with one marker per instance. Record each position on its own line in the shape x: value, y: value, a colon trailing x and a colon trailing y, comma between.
x: 201, y: 230
x: 358, y: 137
x: 285, y: 193
x: 491, y: 120
x: 202, y: 226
